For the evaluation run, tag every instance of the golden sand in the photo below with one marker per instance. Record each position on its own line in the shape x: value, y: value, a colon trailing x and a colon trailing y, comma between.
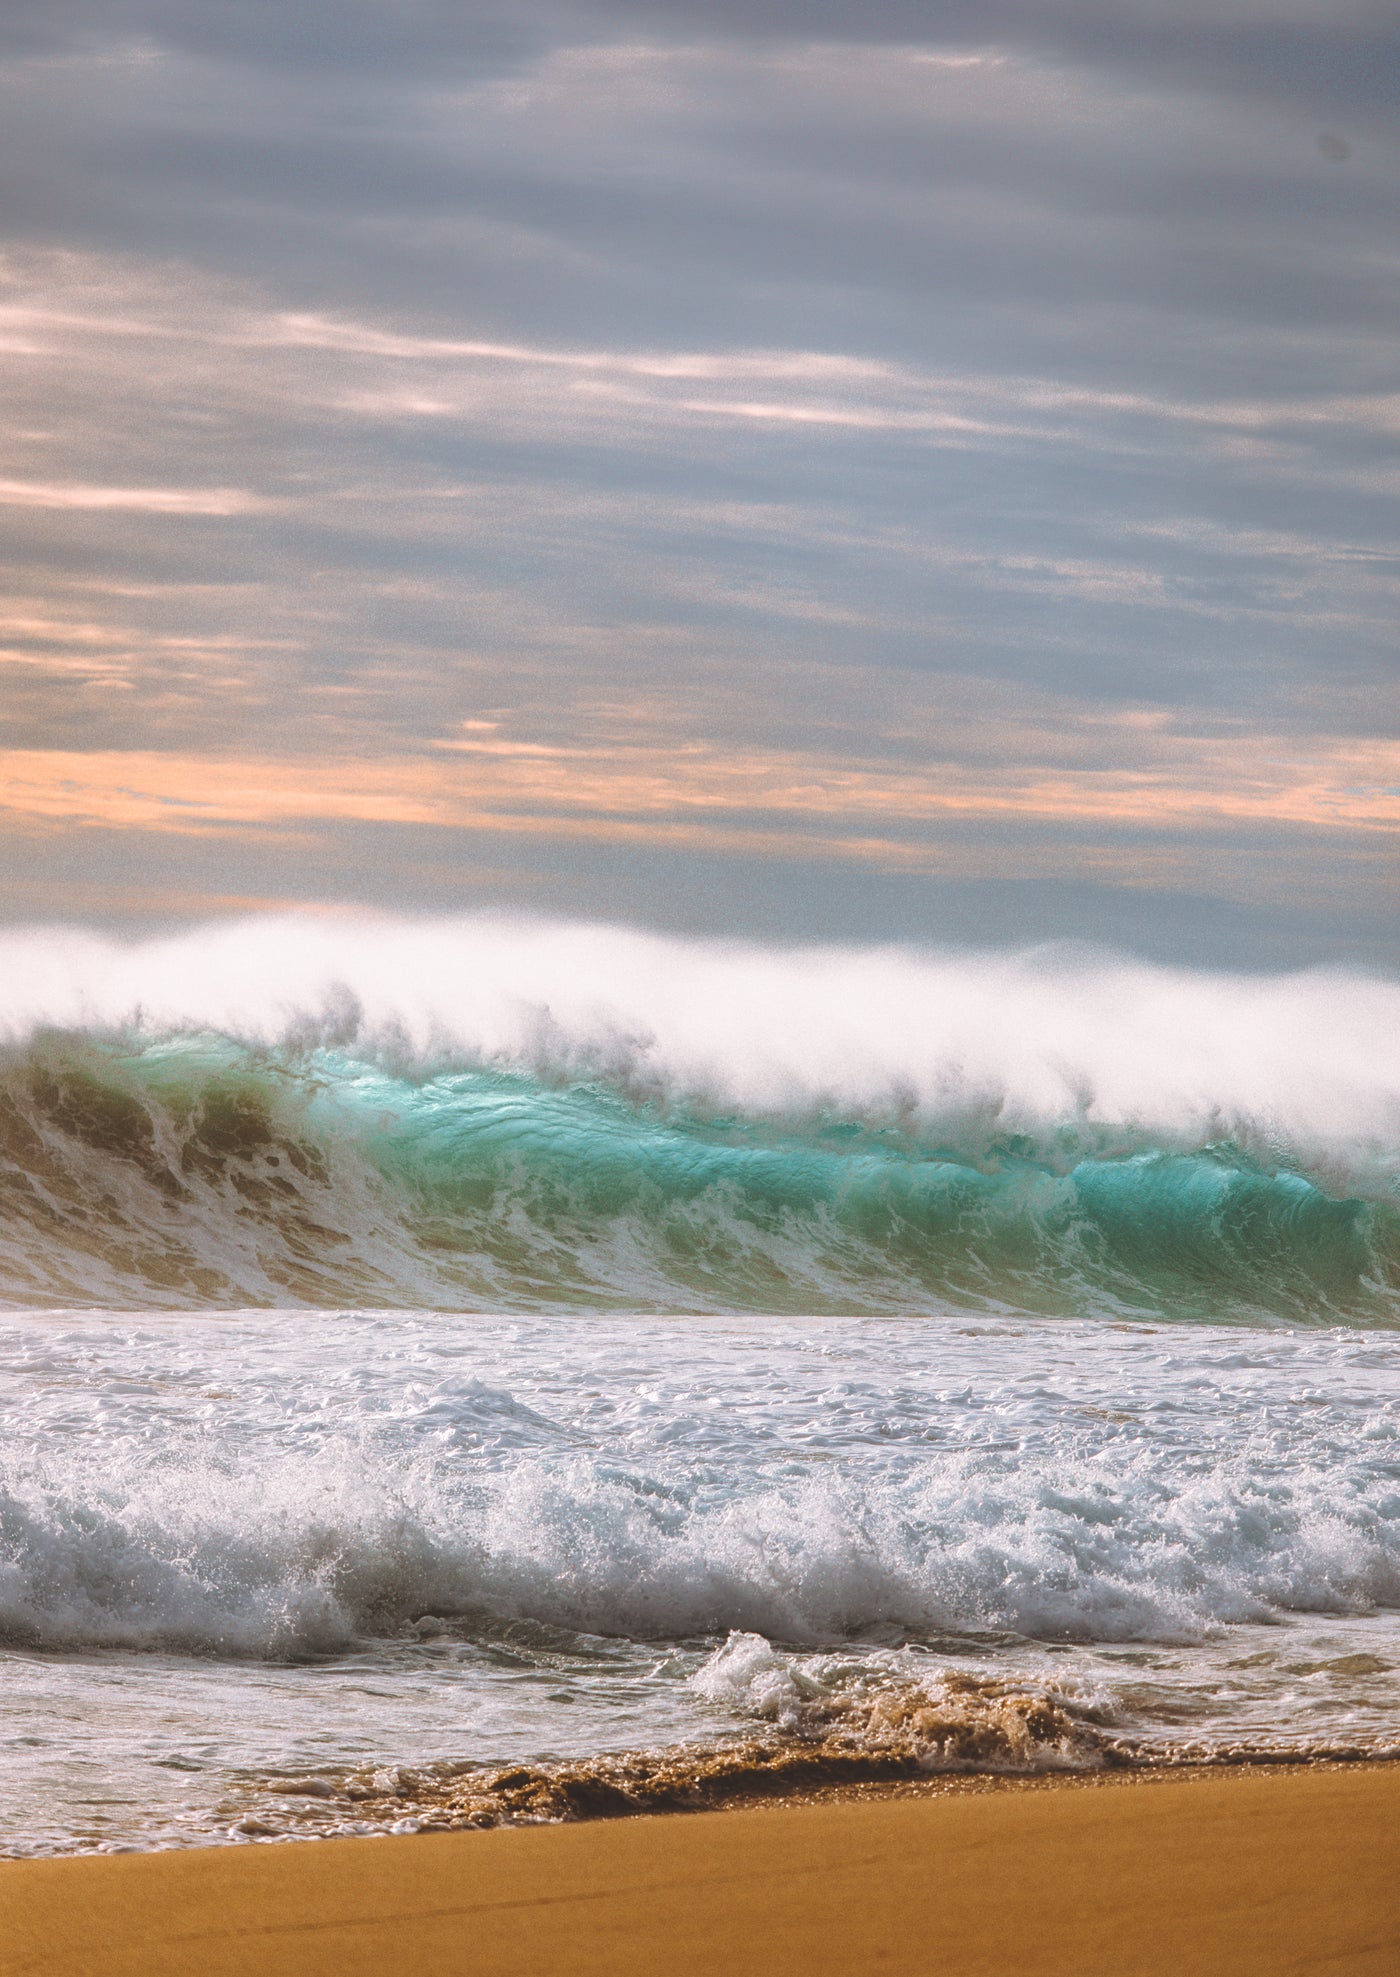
x: 1211, y: 1874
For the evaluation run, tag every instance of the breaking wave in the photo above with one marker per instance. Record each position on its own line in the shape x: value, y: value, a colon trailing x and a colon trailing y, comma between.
x: 492, y: 1114
x: 200, y: 1549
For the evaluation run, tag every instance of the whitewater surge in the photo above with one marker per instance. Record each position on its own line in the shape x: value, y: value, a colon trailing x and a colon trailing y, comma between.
x: 223, y: 1489
x: 306, y: 1557
x: 299, y: 1571
x: 505, y: 1114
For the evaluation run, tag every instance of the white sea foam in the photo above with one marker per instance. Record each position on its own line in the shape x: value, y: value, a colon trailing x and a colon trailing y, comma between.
x: 539, y: 1541
x: 216, y: 1548
x: 1309, y: 1060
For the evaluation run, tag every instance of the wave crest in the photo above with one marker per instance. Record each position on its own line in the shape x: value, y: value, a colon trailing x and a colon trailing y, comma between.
x: 172, y: 1174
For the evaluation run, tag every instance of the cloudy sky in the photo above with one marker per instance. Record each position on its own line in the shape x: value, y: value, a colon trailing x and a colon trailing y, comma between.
x: 910, y: 469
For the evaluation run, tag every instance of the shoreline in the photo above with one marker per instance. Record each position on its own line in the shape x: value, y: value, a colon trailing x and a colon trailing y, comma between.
x: 276, y: 1824
x: 532, y: 1797
x: 1255, y: 1870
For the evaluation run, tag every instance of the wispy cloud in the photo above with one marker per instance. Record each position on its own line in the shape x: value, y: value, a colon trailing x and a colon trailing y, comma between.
x: 1145, y: 775
x: 133, y: 500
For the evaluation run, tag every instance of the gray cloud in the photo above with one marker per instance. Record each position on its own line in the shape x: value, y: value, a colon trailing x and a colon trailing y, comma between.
x: 1342, y: 52
x: 746, y: 191
x: 1309, y: 53
x: 766, y: 373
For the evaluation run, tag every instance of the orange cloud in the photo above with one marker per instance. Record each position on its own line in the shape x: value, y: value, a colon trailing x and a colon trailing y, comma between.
x: 756, y: 801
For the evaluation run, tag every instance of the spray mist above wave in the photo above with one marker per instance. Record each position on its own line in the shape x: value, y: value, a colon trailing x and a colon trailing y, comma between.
x: 514, y: 1114
x: 1031, y: 1039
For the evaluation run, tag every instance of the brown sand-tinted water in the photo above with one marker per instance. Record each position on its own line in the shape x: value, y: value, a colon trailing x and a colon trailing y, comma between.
x: 891, y: 1733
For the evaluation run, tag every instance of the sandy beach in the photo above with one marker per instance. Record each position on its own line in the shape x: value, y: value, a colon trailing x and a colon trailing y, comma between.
x: 1218, y: 1873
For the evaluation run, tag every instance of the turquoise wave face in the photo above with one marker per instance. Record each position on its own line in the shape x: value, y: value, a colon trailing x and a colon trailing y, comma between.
x: 197, y: 1171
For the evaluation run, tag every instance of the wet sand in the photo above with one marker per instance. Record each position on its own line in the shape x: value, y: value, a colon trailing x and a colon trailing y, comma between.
x: 1202, y: 1875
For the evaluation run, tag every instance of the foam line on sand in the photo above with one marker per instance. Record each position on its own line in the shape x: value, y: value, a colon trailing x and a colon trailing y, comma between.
x: 1259, y: 1875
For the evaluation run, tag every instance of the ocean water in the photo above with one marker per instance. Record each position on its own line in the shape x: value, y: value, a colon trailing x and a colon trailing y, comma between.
x: 483, y: 1369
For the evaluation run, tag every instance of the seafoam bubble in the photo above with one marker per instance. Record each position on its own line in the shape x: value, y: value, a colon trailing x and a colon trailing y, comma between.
x: 940, y: 1718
